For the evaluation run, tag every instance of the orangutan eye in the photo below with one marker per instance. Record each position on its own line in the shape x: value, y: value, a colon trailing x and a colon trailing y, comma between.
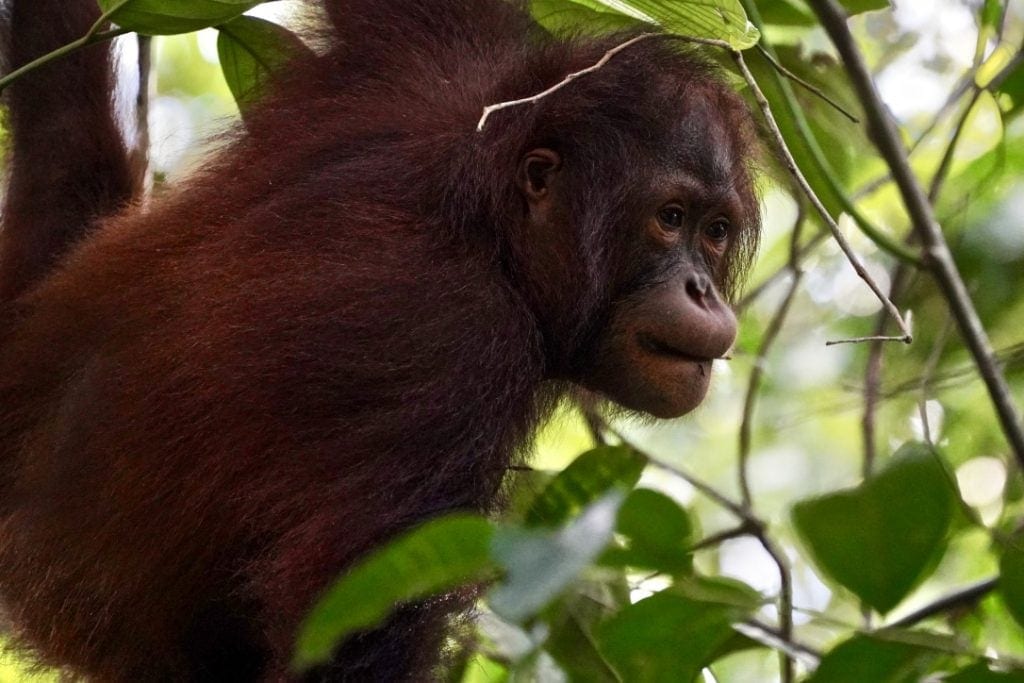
x: 671, y: 217
x: 718, y: 231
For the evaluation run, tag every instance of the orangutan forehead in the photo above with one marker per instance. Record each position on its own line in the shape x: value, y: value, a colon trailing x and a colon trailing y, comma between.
x: 703, y: 147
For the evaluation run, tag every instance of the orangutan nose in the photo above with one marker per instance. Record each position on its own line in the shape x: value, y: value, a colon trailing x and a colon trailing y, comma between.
x: 697, y: 287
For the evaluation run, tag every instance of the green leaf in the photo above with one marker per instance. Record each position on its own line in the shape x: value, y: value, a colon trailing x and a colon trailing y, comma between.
x: 719, y: 590
x: 882, y: 538
x: 879, y: 660
x: 540, y: 564
x: 1011, y: 578
x: 566, y: 16
x: 860, y: 6
x: 979, y: 672
x: 717, y: 19
x: 571, y: 641
x: 657, y: 534
x: 165, y: 17
x: 586, y: 479
x: 250, y: 51
x: 433, y: 558
x: 667, y: 637
x: 786, y: 13
x: 1013, y: 86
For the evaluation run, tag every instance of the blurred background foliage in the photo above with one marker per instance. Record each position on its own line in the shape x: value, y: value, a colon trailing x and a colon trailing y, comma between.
x: 932, y: 61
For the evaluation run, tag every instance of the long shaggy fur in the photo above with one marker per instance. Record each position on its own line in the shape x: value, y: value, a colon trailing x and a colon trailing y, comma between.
x: 213, y: 404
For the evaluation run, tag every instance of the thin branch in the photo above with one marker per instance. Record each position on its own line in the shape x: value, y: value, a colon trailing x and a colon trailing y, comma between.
x: 92, y: 37
x: 757, y: 528
x: 938, y: 257
x: 798, y: 175
x: 926, y: 377
x: 778, y: 641
x: 785, y: 606
x: 964, y: 597
x: 533, y: 99
x: 870, y: 338
x: 757, y: 373
x: 873, y: 373
x: 947, y: 157
x: 805, y: 84
x: 785, y: 602
x: 964, y: 85
x: 744, y: 529
x: 795, y: 111
x: 706, y: 489
x: 783, y: 270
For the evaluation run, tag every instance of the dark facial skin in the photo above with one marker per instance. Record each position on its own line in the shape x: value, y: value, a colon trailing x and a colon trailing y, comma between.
x: 656, y: 353
x: 668, y: 321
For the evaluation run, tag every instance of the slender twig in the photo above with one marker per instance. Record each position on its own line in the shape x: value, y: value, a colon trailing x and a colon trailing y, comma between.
x: 93, y: 36
x: 964, y: 85
x: 873, y: 373
x: 801, y: 181
x: 755, y: 293
x: 770, y: 56
x: 779, y: 641
x: 946, y: 162
x: 926, y: 377
x: 869, y: 338
x: 964, y: 597
x: 785, y: 602
x: 873, y: 370
x: 533, y: 99
x: 757, y: 373
x: 795, y: 112
x: 938, y: 257
x: 757, y: 529
x: 714, y: 540
x: 706, y: 489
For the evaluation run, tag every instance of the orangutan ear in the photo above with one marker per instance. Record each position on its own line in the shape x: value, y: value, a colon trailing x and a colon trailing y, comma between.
x: 538, y: 169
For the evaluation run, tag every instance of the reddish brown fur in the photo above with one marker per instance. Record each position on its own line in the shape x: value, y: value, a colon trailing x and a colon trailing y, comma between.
x: 336, y: 329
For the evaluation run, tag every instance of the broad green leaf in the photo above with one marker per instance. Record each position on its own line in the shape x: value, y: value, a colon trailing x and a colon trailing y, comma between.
x: 571, y: 641
x: 573, y: 621
x: 1011, y: 578
x: 860, y: 6
x: 786, y: 13
x: 435, y: 557
x: 566, y: 16
x: 882, y: 538
x: 798, y: 13
x: 719, y: 590
x: 250, y: 51
x: 656, y: 532
x: 1013, y: 86
x: 165, y: 17
x: 867, y: 658
x: 667, y: 637
x: 840, y: 140
x: 540, y: 564
x: 586, y: 479
x: 980, y: 672
x: 717, y: 19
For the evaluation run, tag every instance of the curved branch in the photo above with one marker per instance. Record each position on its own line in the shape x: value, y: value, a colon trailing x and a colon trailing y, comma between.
x: 938, y: 257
